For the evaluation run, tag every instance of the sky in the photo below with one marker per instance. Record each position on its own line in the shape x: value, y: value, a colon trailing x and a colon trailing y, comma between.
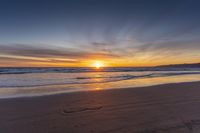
x: 76, y: 33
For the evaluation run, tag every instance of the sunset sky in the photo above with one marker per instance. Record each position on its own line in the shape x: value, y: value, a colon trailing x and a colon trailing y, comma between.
x: 78, y: 33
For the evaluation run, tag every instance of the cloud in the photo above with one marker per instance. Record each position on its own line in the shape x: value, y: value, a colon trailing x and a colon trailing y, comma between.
x: 50, y: 52
x: 170, y: 46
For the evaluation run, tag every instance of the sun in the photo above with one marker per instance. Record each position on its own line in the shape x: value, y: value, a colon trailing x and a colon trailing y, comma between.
x: 98, y: 64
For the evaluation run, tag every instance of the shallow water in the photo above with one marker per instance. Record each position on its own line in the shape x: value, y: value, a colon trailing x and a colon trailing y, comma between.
x: 32, y: 83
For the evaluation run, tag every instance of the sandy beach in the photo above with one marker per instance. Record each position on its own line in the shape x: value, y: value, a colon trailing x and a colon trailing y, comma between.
x: 169, y: 108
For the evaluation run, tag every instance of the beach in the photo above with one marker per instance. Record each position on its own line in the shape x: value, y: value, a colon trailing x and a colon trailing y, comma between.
x: 168, y: 108
x: 100, y: 66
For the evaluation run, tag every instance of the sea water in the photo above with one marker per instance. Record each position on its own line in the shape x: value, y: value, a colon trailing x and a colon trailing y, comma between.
x: 22, y: 82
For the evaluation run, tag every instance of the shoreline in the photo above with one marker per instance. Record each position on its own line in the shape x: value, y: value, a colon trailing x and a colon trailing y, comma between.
x: 88, y: 91
x: 163, y: 108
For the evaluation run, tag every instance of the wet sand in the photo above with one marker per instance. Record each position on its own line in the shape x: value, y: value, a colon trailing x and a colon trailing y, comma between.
x: 169, y: 108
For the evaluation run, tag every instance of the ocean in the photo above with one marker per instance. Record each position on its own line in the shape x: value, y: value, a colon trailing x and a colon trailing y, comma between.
x: 25, y: 82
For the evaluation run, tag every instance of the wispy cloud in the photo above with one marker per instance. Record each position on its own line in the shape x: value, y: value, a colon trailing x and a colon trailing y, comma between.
x: 35, y: 53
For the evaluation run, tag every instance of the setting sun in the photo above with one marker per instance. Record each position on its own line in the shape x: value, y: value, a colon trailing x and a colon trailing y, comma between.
x: 98, y: 64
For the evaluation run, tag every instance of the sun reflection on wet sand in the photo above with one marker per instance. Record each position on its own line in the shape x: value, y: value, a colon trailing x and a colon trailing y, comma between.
x: 142, y: 82
x: 97, y: 86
